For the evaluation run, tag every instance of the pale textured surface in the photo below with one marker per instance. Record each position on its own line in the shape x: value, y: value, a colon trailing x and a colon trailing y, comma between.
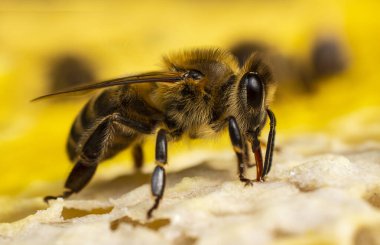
x: 329, y: 197
x: 124, y: 37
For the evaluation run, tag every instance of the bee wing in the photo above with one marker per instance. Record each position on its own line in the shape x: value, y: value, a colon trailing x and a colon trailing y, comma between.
x: 166, y: 77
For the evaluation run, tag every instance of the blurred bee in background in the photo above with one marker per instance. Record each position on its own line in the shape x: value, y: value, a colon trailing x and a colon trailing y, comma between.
x: 327, y: 58
x: 68, y: 70
x: 199, y: 94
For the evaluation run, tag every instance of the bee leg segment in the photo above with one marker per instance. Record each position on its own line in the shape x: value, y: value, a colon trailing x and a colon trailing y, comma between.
x: 237, y: 144
x: 159, y: 177
x: 138, y: 156
x: 79, y: 177
x: 270, y: 144
x: 246, y: 156
x: 77, y: 180
x: 256, y: 149
x: 91, y: 154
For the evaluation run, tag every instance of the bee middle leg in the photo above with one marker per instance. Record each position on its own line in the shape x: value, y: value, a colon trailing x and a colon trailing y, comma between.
x: 158, y: 180
x: 237, y: 143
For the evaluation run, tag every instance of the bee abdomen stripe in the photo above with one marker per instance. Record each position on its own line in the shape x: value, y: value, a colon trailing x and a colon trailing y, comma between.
x: 87, y: 117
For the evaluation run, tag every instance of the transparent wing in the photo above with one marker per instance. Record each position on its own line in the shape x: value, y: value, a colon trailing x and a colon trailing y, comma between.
x: 151, y: 77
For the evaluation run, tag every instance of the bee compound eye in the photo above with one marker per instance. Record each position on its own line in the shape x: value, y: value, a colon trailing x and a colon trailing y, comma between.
x: 254, y: 88
x: 195, y: 75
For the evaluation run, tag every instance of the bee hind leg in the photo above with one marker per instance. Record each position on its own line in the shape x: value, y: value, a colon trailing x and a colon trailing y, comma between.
x: 91, y: 153
x: 159, y: 176
x: 94, y: 150
x: 79, y: 177
x: 237, y: 143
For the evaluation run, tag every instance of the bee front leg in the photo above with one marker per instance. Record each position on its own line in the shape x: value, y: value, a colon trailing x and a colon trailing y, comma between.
x: 264, y: 168
x: 159, y: 176
x: 237, y: 143
x: 270, y: 144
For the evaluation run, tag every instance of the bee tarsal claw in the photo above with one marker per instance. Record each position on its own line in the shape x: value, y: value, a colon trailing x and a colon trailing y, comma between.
x: 48, y: 198
x: 247, y: 182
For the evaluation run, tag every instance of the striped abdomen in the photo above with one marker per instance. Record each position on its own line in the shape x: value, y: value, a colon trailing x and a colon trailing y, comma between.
x: 96, y: 134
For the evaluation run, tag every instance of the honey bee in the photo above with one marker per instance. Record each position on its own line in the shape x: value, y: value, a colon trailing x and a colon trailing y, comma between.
x: 199, y: 93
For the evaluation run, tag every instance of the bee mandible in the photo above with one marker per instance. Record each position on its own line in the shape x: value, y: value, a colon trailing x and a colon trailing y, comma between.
x: 199, y: 93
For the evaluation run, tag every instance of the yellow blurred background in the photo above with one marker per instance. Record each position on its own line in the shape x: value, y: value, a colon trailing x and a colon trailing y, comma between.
x: 116, y: 38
